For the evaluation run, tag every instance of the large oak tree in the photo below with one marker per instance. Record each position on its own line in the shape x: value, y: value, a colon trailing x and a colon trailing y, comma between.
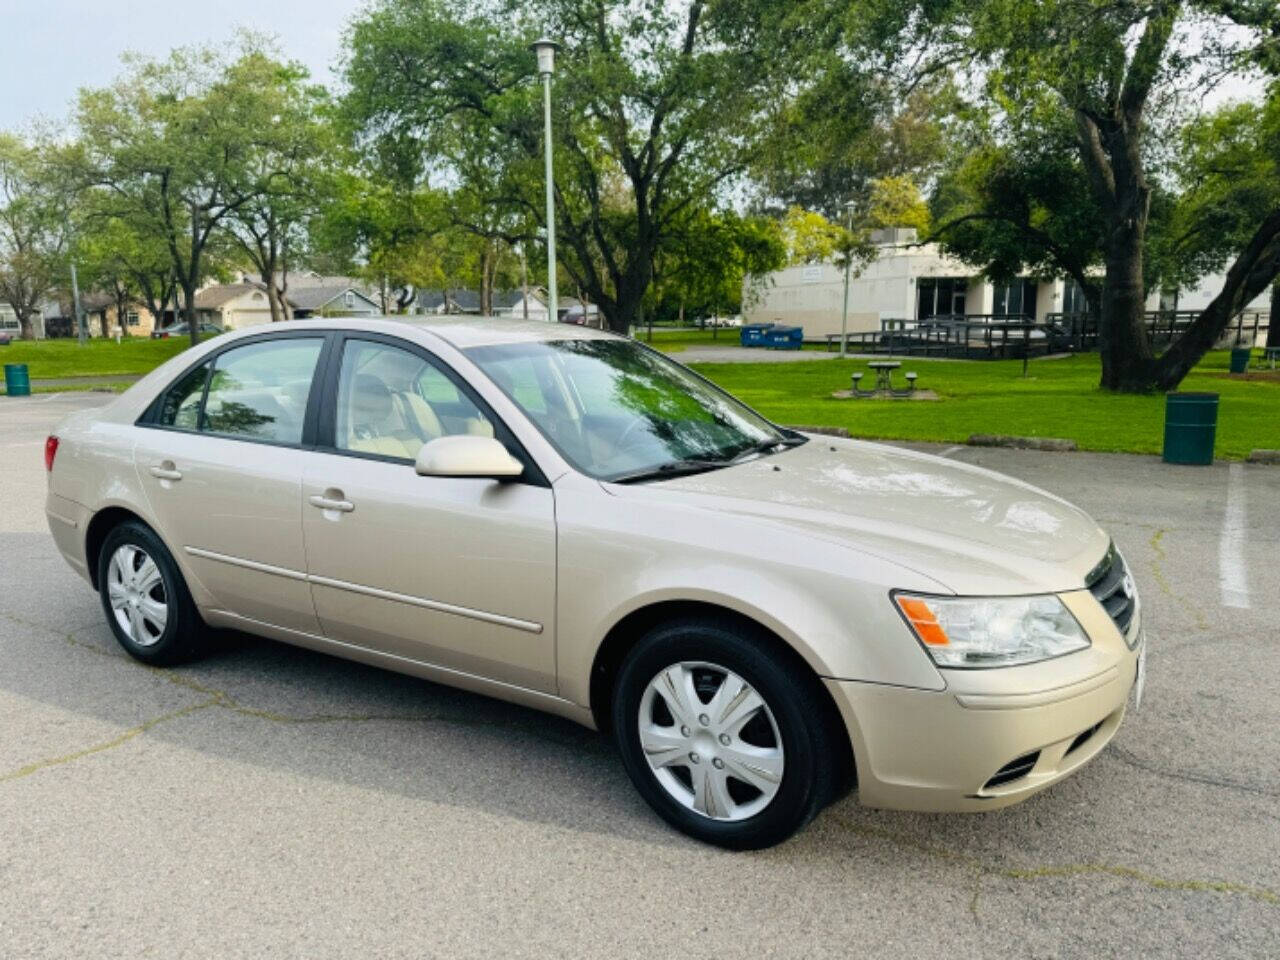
x: 1086, y: 95
x: 659, y: 109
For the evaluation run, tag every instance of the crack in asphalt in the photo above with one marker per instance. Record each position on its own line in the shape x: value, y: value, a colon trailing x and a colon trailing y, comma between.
x: 1162, y: 581
x: 218, y: 698
x: 1133, y: 760
x: 111, y: 744
x: 984, y: 868
x: 224, y: 700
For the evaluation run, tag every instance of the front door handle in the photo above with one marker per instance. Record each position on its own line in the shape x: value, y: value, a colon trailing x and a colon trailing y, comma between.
x: 332, y: 503
x: 165, y: 470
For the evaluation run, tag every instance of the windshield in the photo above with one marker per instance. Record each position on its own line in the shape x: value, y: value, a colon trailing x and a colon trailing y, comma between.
x: 615, y: 409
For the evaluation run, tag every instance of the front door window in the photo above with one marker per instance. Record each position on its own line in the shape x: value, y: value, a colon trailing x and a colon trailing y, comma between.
x: 392, y: 401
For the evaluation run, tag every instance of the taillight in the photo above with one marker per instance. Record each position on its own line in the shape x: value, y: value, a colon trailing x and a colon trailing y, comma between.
x: 50, y: 451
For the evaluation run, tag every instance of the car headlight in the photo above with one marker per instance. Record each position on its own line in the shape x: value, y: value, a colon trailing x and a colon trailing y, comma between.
x: 992, y: 631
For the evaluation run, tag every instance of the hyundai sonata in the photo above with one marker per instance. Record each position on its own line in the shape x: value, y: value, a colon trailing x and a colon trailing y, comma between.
x: 563, y: 518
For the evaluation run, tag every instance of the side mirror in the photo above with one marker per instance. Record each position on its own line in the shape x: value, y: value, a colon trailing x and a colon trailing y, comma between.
x: 467, y: 456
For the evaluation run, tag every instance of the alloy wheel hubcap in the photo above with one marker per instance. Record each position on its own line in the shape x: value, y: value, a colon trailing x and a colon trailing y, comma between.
x: 711, y: 740
x: 135, y: 588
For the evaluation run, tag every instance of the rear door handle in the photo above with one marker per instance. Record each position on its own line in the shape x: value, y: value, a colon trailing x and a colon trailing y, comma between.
x: 332, y: 503
x: 165, y: 470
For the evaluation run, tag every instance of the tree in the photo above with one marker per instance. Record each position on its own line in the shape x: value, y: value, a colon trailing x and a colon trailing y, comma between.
x: 385, y: 234
x: 808, y: 236
x: 131, y: 266
x: 657, y: 108
x: 32, y: 229
x: 174, y: 144
x: 289, y: 166
x: 703, y: 266
x: 1228, y: 215
x: 896, y: 202
x: 1101, y: 78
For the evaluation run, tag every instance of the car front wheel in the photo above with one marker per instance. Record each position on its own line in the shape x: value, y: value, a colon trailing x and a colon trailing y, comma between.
x: 719, y: 732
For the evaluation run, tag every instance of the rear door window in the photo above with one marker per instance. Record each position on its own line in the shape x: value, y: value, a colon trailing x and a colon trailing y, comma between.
x: 260, y: 390
x: 181, y: 404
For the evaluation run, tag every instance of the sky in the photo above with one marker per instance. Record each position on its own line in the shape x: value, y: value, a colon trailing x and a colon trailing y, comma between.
x: 53, y: 47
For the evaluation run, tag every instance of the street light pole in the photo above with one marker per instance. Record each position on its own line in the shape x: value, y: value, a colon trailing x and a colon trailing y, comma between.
x: 546, y: 51
x: 844, y: 314
x: 81, y: 331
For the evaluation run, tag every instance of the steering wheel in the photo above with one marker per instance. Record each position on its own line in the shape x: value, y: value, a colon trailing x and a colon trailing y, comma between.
x: 628, y: 434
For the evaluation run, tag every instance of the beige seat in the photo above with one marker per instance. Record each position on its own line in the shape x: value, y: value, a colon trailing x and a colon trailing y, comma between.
x: 418, y: 415
x: 374, y: 425
x: 422, y: 419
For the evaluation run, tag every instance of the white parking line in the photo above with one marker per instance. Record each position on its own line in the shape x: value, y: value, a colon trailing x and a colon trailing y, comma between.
x: 950, y: 450
x: 1232, y: 573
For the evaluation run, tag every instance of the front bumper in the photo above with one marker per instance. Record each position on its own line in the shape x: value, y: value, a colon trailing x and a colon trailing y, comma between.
x: 938, y: 750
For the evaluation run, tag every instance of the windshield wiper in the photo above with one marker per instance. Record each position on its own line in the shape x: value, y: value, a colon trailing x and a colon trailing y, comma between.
x: 675, y: 468
x: 764, y: 446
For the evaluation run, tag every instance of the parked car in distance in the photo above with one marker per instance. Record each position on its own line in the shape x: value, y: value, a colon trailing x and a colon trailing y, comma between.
x: 183, y: 329
x: 762, y: 619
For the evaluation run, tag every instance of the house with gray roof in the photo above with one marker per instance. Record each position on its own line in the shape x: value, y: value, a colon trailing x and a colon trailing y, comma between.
x: 464, y: 300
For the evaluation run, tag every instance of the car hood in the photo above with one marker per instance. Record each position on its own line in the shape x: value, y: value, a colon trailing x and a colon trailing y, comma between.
x: 973, y: 530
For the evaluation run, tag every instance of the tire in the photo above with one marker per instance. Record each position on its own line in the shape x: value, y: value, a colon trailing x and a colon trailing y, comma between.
x: 137, y: 578
x: 787, y: 752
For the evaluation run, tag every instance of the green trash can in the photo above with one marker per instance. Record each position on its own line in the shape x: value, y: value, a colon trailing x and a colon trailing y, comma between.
x: 1240, y: 359
x: 16, y: 381
x: 1190, y: 422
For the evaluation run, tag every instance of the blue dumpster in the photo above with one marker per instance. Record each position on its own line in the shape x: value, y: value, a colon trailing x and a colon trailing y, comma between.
x: 16, y: 381
x: 784, y: 338
x: 752, y: 334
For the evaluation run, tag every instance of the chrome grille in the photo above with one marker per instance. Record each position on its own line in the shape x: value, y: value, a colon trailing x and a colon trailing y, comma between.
x: 1111, y: 586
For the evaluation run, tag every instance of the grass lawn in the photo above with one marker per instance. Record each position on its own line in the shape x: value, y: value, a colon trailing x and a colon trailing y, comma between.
x: 674, y: 341
x: 52, y: 359
x: 1059, y: 398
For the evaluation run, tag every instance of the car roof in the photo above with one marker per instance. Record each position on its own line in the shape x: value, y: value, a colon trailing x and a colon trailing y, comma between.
x: 459, y: 331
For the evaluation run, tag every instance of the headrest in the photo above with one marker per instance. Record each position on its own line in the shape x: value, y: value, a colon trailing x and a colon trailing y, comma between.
x: 370, y: 399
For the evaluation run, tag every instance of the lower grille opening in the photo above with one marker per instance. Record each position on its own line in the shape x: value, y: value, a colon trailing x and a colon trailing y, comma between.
x: 1083, y: 738
x: 1013, y: 770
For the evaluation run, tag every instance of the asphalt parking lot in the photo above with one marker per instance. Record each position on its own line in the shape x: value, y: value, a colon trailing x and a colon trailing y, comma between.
x: 269, y: 801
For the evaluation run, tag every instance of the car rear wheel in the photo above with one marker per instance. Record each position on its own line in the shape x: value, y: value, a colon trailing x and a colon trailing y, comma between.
x: 147, y: 604
x: 718, y: 731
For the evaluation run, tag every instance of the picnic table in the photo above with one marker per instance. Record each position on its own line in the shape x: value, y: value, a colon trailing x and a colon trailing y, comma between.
x: 884, y: 373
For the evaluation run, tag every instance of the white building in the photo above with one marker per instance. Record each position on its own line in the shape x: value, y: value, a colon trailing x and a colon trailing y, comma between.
x: 910, y: 282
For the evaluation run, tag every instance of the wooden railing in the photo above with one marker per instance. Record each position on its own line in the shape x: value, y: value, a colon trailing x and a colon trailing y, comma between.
x: 987, y: 336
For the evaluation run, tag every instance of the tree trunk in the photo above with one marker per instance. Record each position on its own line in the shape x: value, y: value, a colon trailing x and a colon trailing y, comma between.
x: 26, y: 329
x: 1127, y: 357
x: 486, y: 280
x: 273, y: 301
x: 189, y: 310
x: 1252, y: 272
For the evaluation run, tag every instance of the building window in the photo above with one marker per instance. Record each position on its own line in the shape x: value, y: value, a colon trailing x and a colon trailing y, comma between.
x: 940, y: 297
x: 1017, y: 299
x: 349, y: 298
x: 1073, y: 298
x: 132, y: 318
x: 8, y: 321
